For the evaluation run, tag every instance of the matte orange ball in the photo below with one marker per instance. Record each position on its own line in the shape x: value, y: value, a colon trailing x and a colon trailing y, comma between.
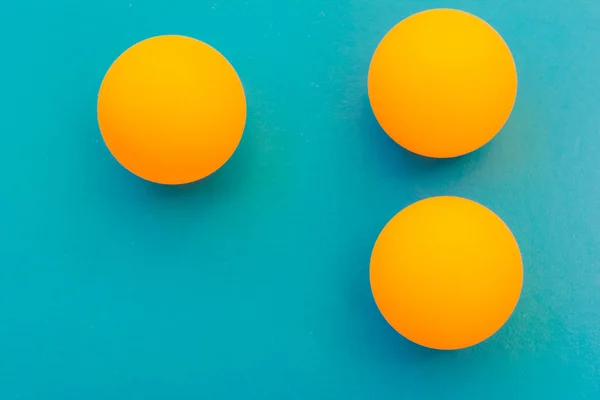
x: 442, y: 83
x: 171, y: 109
x: 446, y: 273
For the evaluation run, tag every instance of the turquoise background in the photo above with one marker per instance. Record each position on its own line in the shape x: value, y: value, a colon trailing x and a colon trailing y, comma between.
x: 253, y: 284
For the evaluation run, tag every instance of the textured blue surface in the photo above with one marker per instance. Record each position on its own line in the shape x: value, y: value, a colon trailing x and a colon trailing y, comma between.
x: 254, y: 283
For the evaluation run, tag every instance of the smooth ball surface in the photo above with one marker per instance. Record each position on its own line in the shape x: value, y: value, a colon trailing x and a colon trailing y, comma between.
x: 446, y: 273
x: 442, y: 83
x: 171, y: 109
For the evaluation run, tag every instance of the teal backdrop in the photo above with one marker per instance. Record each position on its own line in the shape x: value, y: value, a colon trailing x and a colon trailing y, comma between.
x: 253, y: 284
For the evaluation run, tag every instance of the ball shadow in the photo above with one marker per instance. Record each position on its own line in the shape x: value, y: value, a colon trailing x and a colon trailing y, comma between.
x: 229, y: 181
x: 222, y: 182
x: 377, y: 343
x: 382, y: 344
x: 399, y: 162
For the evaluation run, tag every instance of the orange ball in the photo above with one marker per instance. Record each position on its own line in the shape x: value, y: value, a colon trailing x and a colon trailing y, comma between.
x: 446, y: 273
x: 442, y: 83
x: 171, y: 109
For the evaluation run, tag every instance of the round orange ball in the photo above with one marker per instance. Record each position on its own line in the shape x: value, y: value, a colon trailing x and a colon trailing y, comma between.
x: 171, y: 109
x: 446, y: 273
x: 442, y: 83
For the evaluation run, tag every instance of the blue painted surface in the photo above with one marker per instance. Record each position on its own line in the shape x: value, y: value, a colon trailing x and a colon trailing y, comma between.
x: 254, y: 283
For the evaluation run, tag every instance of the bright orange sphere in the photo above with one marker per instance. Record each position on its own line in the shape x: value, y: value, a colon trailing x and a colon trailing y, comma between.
x: 446, y: 273
x: 442, y: 83
x: 171, y: 109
